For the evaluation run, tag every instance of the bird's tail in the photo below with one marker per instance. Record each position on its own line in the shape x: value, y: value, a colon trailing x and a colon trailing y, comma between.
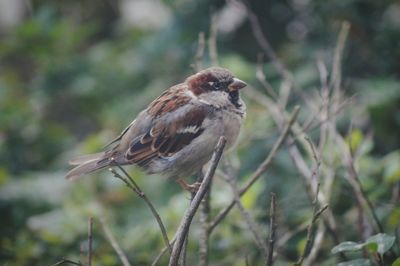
x: 87, y: 164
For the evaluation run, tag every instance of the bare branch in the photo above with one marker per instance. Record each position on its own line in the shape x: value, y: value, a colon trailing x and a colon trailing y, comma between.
x: 135, y: 188
x: 64, y: 260
x: 198, y: 63
x: 162, y: 252
x: 354, y: 179
x: 272, y: 231
x: 316, y: 214
x: 260, y: 170
x: 90, y: 240
x: 336, y: 76
x: 296, y: 156
x: 318, y: 241
x: 251, y: 224
x: 191, y: 211
x: 262, y: 79
x: 263, y: 41
x: 212, y: 41
x: 110, y: 237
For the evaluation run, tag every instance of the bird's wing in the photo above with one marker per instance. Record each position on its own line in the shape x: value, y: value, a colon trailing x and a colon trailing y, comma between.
x: 168, y: 134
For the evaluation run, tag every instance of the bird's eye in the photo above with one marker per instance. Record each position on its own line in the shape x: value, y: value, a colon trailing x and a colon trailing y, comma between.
x: 215, y: 85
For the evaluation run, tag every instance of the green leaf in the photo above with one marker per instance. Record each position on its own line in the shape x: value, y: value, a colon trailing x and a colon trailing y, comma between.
x: 355, y: 139
x: 384, y: 242
x: 357, y: 262
x: 396, y: 262
x: 250, y: 198
x: 372, y: 247
x: 392, y: 167
x: 347, y: 246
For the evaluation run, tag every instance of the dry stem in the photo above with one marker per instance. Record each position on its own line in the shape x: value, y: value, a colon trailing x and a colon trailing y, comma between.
x: 90, y: 240
x: 110, y: 237
x: 64, y: 260
x: 260, y: 170
x: 198, y: 64
x: 212, y: 41
x: 191, y: 211
x: 135, y: 188
x: 251, y: 224
x: 272, y: 231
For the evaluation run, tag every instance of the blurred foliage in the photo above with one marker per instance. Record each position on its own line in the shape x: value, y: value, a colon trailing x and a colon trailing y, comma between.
x: 73, y: 74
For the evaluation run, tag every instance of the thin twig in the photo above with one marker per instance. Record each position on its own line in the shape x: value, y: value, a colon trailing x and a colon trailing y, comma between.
x: 212, y: 40
x: 263, y: 41
x: 296, y: 156
x: 90, y: 240
x: 113, y: 241
x: 358, y: 189
x: 64, y: 260
x: 272, y: 231
x: 135, y: 188
x: 318, y: 240
x: 262, y: 79
x: 281, y: 242
x: 336, y: 75
x: 198, y: 61
x: 251, y: 224
x: 309, y: 238
x: 162, y: 252
x: 191, y: 211
x: 316, y: 212
x: 29, y: 7
x: 260, y: 170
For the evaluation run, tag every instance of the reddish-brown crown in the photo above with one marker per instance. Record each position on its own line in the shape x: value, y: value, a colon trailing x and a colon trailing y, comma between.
x: 200, y: 82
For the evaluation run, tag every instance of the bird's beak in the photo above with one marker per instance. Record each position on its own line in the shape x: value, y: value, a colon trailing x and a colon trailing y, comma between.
x: 236, y: 85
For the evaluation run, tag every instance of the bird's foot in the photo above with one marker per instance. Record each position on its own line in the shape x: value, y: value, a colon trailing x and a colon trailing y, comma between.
x: 192, y: 188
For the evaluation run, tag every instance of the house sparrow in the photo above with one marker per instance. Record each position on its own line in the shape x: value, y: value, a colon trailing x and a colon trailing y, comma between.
x: 176, y: 135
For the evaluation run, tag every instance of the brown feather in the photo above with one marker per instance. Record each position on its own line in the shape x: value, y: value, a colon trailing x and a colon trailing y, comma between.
x: 166, y: 138
x: 169, y: 101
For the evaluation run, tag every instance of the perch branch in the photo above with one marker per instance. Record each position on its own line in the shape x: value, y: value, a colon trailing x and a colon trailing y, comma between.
x: 191, y: 211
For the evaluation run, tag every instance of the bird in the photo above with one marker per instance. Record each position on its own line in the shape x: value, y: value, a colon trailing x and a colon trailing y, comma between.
x: 176, y: 134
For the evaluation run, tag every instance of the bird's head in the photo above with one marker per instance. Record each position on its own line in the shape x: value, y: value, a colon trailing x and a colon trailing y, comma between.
x: 216, y: 81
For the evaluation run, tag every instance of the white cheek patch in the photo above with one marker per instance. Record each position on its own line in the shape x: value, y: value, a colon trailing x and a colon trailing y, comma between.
x: 189, y: 129
x: 211, y: 83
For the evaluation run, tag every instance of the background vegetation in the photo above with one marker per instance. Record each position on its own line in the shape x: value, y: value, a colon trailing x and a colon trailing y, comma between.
x: 75, y: 73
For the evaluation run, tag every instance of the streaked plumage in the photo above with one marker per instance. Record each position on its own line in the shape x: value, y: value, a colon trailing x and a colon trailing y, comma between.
x: 176, y: 134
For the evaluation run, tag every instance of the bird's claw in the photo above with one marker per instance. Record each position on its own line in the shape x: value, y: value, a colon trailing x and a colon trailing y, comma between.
x: 192, y: 188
